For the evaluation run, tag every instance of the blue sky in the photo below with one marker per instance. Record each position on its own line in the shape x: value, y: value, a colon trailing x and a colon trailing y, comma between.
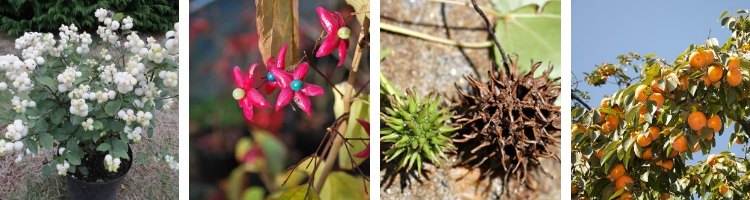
x: 602, y: 30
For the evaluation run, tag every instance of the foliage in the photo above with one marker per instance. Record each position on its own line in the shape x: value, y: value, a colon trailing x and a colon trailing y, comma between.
x: 636, y: 145
x: 82, y: 102
x: 19, y: 16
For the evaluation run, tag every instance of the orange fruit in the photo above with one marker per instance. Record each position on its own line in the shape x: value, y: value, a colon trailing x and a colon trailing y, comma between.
x: 683, y: 83
x: 697, y: 120
x: 605, y: 102
x: 623, y: 181
x: 626, y: 196
x: 680, y: 144
x: 640, y: 93
x: 653, y: 132
x: 707, y: 80
x: 715, y: 72
x: 733, y: 64
x: 648, y: 154
x: 607, y: 128
x: 723, y: 189
x: 655, y: 86
x: 658, y: 98
x: 696, y: 60
x: 612, y: 120
x: 643, y: 140
x: 709, y: 137
x: 714, y: 123
x: 664, y: 196
x: 667, y: 165
x: 616, y: 171
x: 708, y: 56
x: 600, y: 153
x: 734, y: 78
x: 711, y: 160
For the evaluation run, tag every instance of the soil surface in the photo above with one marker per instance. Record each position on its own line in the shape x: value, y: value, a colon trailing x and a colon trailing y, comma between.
x: 426, y: 66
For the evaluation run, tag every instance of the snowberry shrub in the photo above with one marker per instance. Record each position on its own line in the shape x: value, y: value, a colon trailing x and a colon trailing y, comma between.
x: 85, y: 96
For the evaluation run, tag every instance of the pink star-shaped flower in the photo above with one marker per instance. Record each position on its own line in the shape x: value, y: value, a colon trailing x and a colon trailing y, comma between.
x: 292, y: 87
x: 337, y: 34
x: 365, y: 152
x: 246, y: 95
x: 279, y: 63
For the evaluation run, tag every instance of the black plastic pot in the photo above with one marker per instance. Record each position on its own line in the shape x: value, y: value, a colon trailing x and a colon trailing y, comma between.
x: 81, y: 190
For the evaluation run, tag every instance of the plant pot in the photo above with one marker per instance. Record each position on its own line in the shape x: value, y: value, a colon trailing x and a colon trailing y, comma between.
x: 82, y: 190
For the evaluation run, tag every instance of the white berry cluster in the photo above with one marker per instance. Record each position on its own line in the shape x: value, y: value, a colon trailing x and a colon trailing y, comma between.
x: 62, y: 168
x: 111, y: 164
x: 20, y: 105
x: 14, y: 132
x: 67, y: 78
x: 79, y: 107
x: 88, y: 125
x: 170, y: 78
x: 134, y: 134
x: 125, y: 82
x: 172, y: 43
x: 172, y: 162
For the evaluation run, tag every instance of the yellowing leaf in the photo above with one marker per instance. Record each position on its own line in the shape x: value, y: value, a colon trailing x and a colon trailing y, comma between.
x: 296, y: 193
x: 277, y: 24
x: 341, y: 185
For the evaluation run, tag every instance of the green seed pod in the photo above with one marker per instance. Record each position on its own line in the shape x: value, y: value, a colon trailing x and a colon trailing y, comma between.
x: 413, y: 124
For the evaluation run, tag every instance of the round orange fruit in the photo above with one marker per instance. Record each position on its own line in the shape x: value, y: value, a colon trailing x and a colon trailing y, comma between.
x: 711, y: 160
x: 626, y: 196
x: 723, y: 189
x: 648, y: 154
x: 734, y: 78
x: 708, y: 57
x: 714, y: 122
x: 715, y: 72
x: 655, y: 86
x: 643, y: 140
x: 658, y: 98
x: 733, y: 64
x: 653, y: 132
x: 696, y: 60
x: 617, y: 171
x: 680, y: 144
x: 623, y: 181
x: 697, y: 120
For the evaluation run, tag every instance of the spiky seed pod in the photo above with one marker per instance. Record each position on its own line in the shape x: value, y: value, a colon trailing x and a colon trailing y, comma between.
x: 508, y: 124
x: 415, y: 131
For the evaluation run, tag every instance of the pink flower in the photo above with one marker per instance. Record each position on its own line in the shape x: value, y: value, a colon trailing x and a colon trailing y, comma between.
x: 337, y: 34
x: 366, y: 152
x: 246, y: 95
x: 279, y: 65
x: 293, y: 87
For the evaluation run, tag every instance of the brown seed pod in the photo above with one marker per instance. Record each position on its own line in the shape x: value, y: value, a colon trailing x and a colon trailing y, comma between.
x: 508, y: 124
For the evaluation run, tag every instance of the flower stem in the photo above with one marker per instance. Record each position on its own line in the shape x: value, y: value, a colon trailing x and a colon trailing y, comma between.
x: 423, y: 36
x: 348, y: 94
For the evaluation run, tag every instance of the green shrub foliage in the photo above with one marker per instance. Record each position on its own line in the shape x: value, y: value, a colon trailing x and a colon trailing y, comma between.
x: 19, y: 16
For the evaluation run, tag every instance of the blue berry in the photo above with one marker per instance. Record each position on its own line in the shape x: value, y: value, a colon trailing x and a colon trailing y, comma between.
x: 270, y: 77
x: 296, y: 85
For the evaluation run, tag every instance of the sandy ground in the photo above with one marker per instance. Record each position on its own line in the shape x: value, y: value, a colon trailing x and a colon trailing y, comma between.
x: 424, y: 66
x: 149, y: 178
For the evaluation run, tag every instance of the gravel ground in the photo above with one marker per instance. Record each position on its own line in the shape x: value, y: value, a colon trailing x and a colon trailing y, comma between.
x: 426, y: 66
x: 149, y: 177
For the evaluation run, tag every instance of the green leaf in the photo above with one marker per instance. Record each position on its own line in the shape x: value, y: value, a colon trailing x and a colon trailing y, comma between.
x: 253, y: 193
x: 104, y: 147
x: 31, y: 145
x: 46, y: 140
x: 296, y: 193
x: 507, y: 6
x: 362, y: 8
x: 277, y: 25
x: 341, y: 185
x: 235, y: 183
x: 533, y: 33
x: 112, y: 107
x: 118, y: 17
x: 360, y: 109
x: 47, y: 81
x: 272, y: 149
